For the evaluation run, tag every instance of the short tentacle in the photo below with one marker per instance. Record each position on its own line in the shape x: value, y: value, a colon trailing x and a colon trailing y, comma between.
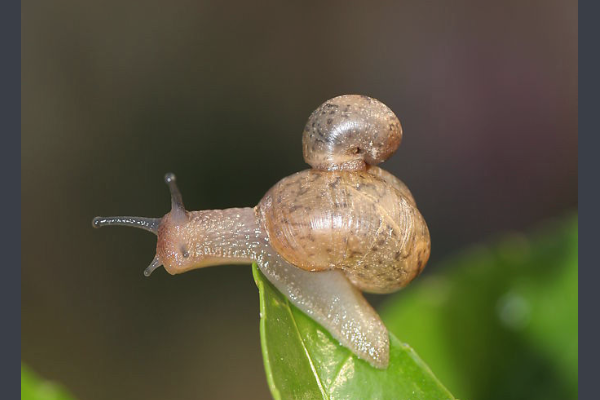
x: 153, y: 265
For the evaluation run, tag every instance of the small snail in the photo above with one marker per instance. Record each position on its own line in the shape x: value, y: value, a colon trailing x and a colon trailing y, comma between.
x: 321, y: 235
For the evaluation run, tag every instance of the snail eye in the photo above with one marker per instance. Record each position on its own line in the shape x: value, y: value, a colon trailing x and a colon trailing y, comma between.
x: 184, y: 252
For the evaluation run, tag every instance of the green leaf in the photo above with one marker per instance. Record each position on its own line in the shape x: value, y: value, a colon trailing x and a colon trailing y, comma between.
x: 303, y: 361
x: 499, y: 321
x: 34, y: 388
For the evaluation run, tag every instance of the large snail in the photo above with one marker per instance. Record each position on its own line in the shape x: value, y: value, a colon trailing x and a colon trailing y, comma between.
x: 321, y: 235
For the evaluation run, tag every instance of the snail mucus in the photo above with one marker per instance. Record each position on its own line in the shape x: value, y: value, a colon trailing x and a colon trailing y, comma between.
x: 322, y: 235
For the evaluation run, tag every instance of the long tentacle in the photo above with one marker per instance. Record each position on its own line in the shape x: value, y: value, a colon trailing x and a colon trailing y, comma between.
x: 148, y: 224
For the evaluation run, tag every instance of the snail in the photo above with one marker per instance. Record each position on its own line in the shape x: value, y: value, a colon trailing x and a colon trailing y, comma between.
x: 322, y: 235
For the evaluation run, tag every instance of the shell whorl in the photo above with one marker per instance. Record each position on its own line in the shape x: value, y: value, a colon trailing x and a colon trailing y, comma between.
x: 347, y: 132
x: 361, y: 222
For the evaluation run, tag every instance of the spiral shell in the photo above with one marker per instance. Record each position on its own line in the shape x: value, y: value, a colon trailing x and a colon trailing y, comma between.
x: 350, y: 131
x: 353, y: 221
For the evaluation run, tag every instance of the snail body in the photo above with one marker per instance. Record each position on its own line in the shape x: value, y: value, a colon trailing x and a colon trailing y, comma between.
x: 321, y: 235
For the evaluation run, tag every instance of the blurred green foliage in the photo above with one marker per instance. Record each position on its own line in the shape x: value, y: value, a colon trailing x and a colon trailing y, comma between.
x: 35, y: 388
x: 500, y: 321
x: 303, y: 361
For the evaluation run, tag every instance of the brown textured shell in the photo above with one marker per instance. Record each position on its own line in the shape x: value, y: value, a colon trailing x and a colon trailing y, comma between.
x: 347, y: 132
x: 363, y: 222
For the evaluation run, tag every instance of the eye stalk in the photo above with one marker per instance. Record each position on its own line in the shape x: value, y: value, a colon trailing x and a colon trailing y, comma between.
x: 178, y: 215
x: 177, y: 208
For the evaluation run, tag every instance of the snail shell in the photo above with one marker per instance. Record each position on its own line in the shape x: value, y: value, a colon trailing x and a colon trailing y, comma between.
x: 345, y: 214
x: 348, y: 131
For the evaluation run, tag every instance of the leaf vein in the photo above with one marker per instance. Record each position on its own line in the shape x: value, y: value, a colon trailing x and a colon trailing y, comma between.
x: 308, y: 356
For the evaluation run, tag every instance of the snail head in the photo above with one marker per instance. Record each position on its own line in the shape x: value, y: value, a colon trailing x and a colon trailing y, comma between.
x: 172, y: 230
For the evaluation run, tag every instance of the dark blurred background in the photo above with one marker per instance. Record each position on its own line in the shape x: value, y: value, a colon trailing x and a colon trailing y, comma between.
x: 116, y: 93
